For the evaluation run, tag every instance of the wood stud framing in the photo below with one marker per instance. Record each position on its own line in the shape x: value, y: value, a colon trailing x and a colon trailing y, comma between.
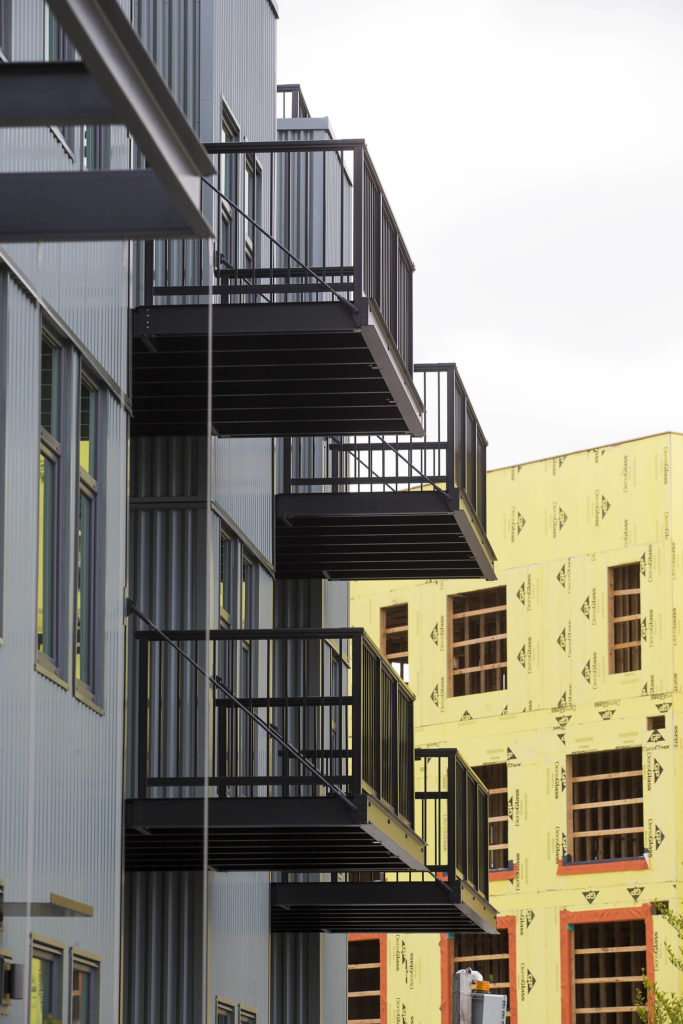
x: 609, y: 960
x: 364, y: 980
x: 624, y: 618
x: 488, y: 954
x: 477, y: 642
x: 495, y: 778
x: 605, y: 805
x: 394, y: 637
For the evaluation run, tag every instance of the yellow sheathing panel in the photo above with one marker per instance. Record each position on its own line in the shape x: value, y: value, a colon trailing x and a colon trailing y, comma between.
x: 557, y: 527
x: 413, y: 979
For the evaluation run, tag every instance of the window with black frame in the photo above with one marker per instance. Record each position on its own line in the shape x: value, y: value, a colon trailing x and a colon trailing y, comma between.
x: 225, y: 1012
x: 228, y: 186
x: 225, y: 570
x: 247, y: 672
x: 86, y: 547
x: 85, y: 989
x: 47, y: 963
x: 49, y: 505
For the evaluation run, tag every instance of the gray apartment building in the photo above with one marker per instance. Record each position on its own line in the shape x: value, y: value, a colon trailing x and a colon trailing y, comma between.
x: 210, y: 421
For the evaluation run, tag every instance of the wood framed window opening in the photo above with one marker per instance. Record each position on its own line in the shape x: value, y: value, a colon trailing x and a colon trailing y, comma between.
x: 608, y: 960
x: 364, y: 986
x: 495, y: 778
x: 394, y: 637
x: 493, y: 956
x: 477, y: 642
x: 623, y: 584
x: 605, y: 805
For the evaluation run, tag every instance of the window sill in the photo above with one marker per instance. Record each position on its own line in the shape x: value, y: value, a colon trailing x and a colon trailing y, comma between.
x: 503, y: 874
x: 51, y: 673
x: 601, y: 866
x: 86, y: 697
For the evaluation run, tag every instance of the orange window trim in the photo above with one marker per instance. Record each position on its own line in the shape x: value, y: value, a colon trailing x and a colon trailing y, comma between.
x: 383, y: 1004
x: 597, y: 867
x: 508, y: 923
x: 642, y: 913
x: 503, y: 875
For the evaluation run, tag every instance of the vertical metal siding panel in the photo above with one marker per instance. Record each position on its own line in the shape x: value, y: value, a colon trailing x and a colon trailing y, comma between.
x: 162, y: 948
x: 75, y: 799
x: 336, y: 603
x: 239, y: 926
x: 243, y: 486
x: 85, y: 282
x: 244, y: 71
x: 166, y: 568
x: 333, y: 978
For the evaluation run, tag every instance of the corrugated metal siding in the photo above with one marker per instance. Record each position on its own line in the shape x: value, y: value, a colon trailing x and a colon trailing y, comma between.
x: 295, y: 995
x: 239, y: 923
x: 170, y: 32
x: 163, y: 927
x: 85, y: 282
x: 162, y: 959
x: 336, y: 603
x: 243, y: 486
x: 333, y: 978
x: 243, y: 70
x: 60, y: 788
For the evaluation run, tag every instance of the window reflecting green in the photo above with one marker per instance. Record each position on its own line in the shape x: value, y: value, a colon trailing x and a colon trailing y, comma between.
x: 43, y: 996
x: 46, y: 558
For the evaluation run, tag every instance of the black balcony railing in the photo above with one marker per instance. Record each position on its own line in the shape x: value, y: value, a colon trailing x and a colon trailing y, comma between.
x: 297, y: 221
x: 452, y: 454
x: 292, y: 712
x: 291, y: 102
x: 450, y: 895
x: 451, y: 815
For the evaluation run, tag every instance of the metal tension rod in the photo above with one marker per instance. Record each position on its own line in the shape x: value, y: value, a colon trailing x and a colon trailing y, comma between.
x: 132, y: 608
x: 342, y: 298
x: 380, y: 437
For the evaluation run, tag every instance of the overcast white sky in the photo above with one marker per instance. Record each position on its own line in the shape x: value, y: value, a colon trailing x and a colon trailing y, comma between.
x: 532, y: 152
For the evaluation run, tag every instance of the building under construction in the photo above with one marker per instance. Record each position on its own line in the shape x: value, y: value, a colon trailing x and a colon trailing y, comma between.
x: 559, y: 683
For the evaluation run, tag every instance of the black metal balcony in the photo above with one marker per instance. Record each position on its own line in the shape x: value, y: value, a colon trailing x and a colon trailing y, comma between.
x: 390, y: 507
x: 299, y: 775
x: 451, y: 815
x: 310, y: 295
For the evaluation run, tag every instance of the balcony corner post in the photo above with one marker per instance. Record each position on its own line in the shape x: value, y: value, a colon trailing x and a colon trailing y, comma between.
x: 148, y: 287
x: 358, y: 225
x: 452, y: 818
x: 358, y: 683
x: 143, y: 715
x: 451, y: 438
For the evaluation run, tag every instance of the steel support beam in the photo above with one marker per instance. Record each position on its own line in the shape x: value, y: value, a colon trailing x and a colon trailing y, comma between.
x: 131, y: 82
x: 129, y: 90
x: 87, y: 205
x: 44, y: 94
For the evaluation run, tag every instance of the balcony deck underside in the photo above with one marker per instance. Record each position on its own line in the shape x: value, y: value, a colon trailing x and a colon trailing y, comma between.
x: 262, y: 834
x: 378, y: 907
x: 401, y: 535
x: 285, y: 369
